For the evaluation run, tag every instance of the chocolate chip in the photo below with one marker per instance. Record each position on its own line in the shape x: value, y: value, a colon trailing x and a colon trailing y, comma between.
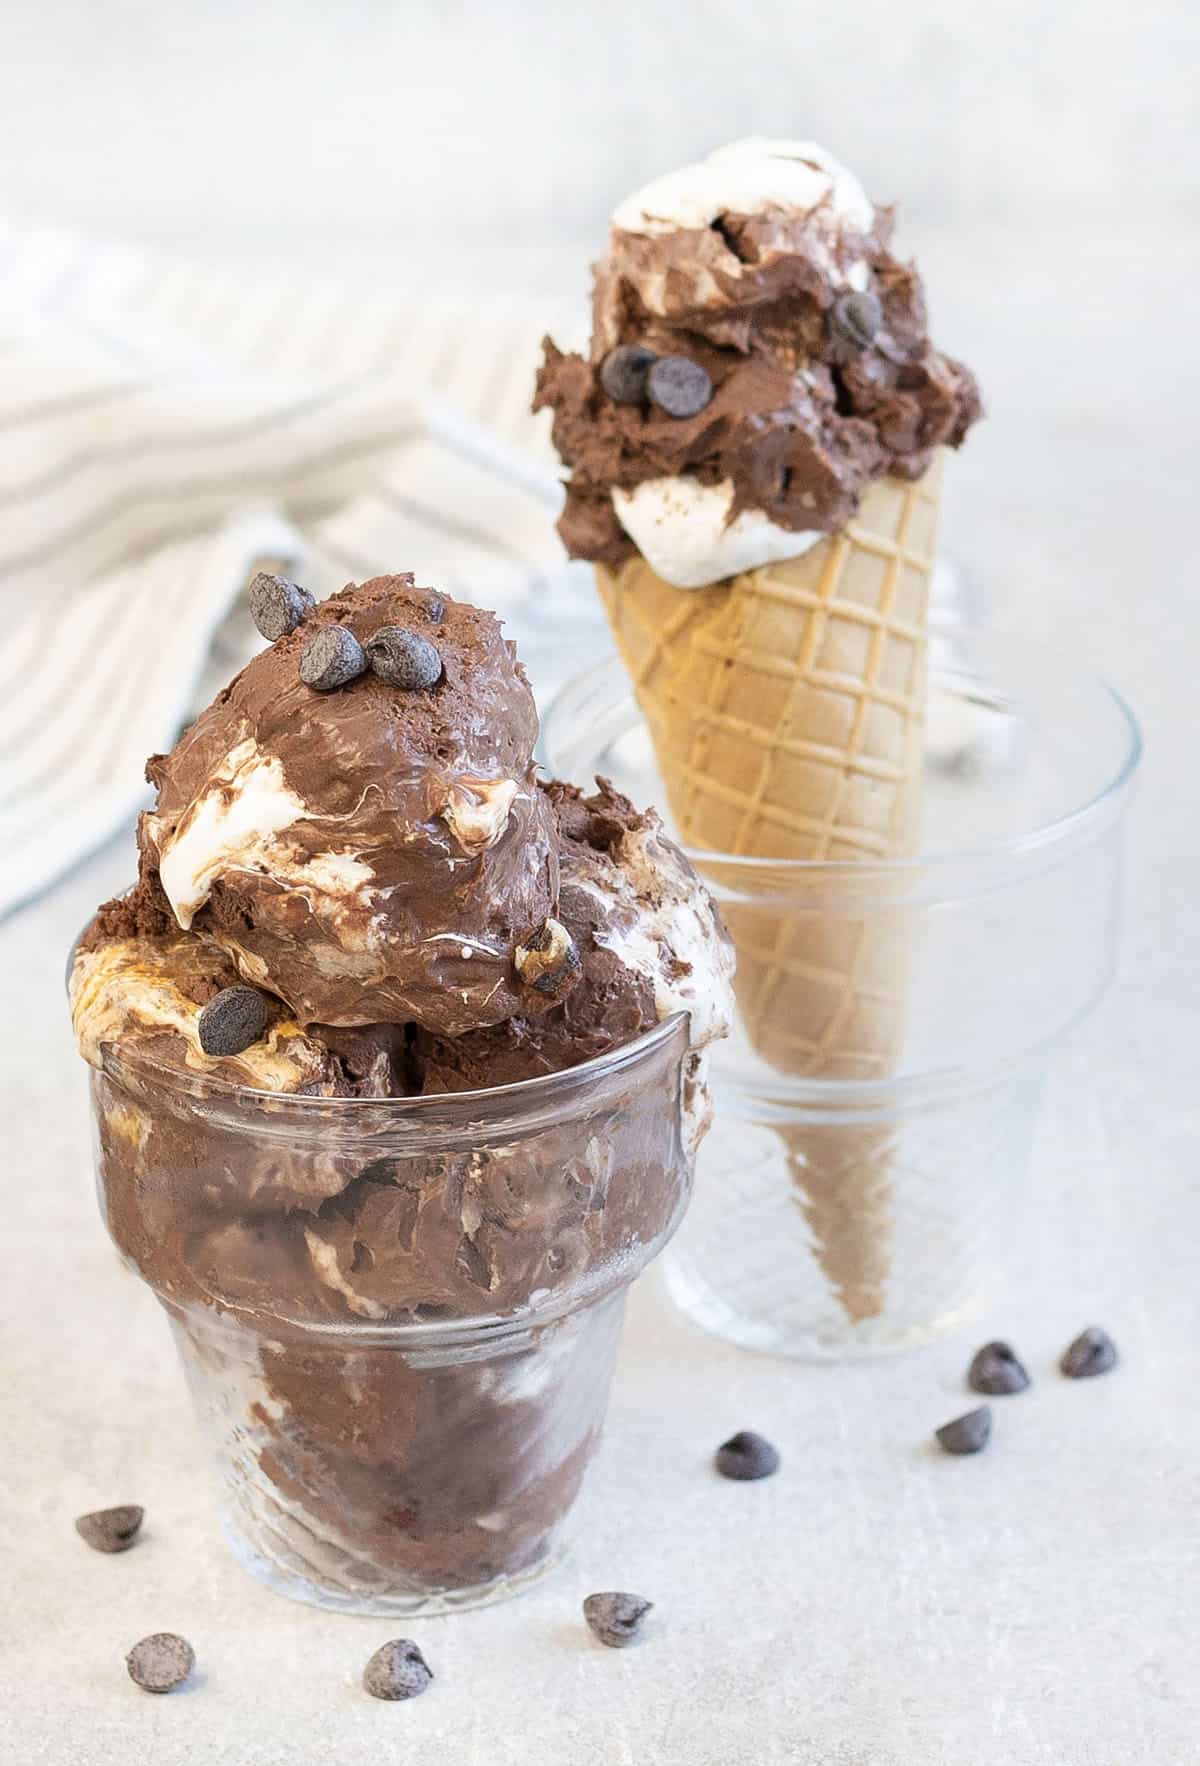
x: 332, y: 658
x: 404, y: 659
x: 435, y: 610
x: 967, y: 1434
x: 623, y: 373
x: 232, y: 1020
x: 110, y: 1529
x: 679, y: 386
x: 1093, y: 1352
x: 161, y: 1662
x: 746, y: 1456
x: 856, y: 318
x: 996, y: 1370
x: 278, y: 606
x: 397, y: 1670
x: 616, y: 1618
x: 547, y: 959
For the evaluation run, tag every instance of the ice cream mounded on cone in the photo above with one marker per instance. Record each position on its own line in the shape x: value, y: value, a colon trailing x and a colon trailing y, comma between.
x: 754, y: 449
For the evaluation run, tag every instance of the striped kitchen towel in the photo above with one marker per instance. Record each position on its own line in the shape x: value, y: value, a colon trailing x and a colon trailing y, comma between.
x: 166, y: 428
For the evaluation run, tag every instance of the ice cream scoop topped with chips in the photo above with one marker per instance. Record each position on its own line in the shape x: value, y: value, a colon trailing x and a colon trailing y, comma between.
x: 759, y: 357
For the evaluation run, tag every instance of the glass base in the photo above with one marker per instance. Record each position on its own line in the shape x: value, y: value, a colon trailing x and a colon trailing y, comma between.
x: 368, y: 1481
x: 830, y: 1238
x: 281, y: 1577
x: 822, y: 1340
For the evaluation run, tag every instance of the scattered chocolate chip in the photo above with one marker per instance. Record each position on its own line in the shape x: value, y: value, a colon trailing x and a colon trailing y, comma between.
x: 997, y: 1370
x: 404, y: 659
x: 110, y: 1529
x: 679, y: 386
x: 746, y: 1456
x: 232, y: 1020
x: 623, y: 373
x: 160, y: 1662
x: 856, y: 318
x: 616, y: 1618
x: 278, y: 606
x: 435, y: 610
x: 1093, y: 1352
x: 397, y: 1670
x: 967, y: 1434
x: 332, y: 658
x: 547, y: 959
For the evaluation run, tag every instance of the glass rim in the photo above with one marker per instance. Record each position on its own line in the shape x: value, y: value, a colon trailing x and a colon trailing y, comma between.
x: 1061, y: 832
x: 475, y: 1117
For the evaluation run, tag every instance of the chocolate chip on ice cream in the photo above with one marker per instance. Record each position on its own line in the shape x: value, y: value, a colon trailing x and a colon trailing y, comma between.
x: 332, y: 658
x: 397, y: 1670
x: 111, y: 1529
x: 855, y: 317
x: 678, y: 386
x: 233, y: 1020
x: 404, y: 659
x: 278, y: 606
x: 160, y: 1662
x: 623, y: 373
x: 616, y: 1618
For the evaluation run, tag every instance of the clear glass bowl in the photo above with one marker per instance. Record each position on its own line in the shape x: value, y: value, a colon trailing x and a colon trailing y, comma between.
x: 398, y: 1319
x: 856, y: 1205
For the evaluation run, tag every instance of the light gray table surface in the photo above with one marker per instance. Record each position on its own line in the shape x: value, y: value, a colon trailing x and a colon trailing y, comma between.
x: 875, y: 1604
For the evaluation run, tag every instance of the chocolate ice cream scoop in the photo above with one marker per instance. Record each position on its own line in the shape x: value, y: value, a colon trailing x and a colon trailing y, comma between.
x: 147, y: 996
x: 366, y: 851
x: 649, y: 941
x: 760, y: 286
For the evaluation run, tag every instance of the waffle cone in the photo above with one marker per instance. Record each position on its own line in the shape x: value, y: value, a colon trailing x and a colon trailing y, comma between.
x: 786, y: 707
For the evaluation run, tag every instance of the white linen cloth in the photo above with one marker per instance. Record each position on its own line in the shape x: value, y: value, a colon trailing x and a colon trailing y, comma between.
x: 167, y: 427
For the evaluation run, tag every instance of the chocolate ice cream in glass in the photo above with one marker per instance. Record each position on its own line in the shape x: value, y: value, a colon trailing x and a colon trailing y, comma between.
x: 398, y: 1071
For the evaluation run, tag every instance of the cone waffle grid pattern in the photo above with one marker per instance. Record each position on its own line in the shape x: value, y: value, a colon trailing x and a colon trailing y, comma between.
x: 866, y: 711
x: 785, y: 707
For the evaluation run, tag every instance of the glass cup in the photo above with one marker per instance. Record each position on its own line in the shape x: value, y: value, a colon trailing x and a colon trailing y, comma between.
x: 398, y: 1319
x: 862, y: 1184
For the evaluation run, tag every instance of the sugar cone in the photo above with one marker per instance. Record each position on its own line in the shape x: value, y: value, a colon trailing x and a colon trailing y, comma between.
x: 786, y: 706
